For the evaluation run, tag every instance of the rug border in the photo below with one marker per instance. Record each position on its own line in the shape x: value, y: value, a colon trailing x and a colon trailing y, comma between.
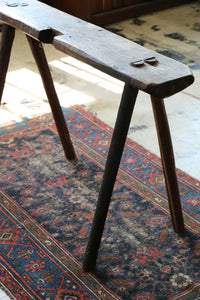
x: 27, y: 220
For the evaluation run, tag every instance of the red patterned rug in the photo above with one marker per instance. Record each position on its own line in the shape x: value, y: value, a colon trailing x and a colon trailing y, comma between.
x: 47, y: 207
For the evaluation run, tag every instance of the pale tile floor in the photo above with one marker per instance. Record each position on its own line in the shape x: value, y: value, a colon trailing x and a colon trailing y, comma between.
x: 76, y: 83
x: 3, y: 296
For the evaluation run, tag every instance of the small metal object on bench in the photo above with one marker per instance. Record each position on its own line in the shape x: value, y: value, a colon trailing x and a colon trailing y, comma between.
x: 138, y: 67
x: 14, y: 4
x: 139, y: 63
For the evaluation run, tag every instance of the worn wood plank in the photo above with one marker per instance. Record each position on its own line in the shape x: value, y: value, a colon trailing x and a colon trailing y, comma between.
x: 115, y: 56
x: 28, y: 18
x: 98, y: 47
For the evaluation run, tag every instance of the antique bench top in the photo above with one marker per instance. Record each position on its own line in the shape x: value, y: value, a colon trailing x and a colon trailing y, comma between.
x: 125, y: 60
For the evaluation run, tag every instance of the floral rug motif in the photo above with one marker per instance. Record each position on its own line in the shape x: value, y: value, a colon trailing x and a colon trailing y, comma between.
x: 47, y: 207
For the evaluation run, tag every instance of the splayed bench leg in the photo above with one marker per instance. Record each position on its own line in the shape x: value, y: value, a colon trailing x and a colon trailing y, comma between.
x: 114, y: 157
x: 7, y: 38
x: 40, y: 58
x: 168, y: 162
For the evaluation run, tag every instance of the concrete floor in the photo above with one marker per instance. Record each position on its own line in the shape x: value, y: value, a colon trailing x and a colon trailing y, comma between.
x: 174, y: 32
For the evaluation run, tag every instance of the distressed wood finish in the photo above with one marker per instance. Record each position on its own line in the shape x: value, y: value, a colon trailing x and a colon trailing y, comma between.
x: 138, y: 67
x: 98, y: 47
x: 113, y: 55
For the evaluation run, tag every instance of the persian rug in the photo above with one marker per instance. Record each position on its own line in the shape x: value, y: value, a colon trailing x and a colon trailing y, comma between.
x: 47, y: 207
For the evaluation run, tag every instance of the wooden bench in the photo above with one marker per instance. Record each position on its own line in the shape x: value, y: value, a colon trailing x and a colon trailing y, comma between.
x: 138, y: 67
